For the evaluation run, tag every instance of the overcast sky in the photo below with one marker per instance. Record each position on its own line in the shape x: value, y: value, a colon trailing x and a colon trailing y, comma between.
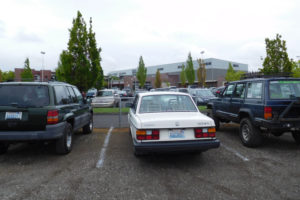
x: 162, y: 31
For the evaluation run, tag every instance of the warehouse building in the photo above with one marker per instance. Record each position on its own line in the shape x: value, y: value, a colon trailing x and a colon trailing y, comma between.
x: 170, y: 73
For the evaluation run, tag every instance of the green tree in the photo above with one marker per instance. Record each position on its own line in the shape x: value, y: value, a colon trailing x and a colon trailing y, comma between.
x: 27, y: 75
x: 141, y: 72
x: 201, y: 73
x: 157, y: 80
x: 183, y: 76
x: 189, y: 70
x: 277, y: 59
x: 0, y: 76
x: 8, y: 76
x: 80, y: 63
x: 233, y: 75
x: 296, y: 69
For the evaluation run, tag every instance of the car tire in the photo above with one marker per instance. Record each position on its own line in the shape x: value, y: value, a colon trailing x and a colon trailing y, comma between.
x: 296, y: 136
x: 65, y: 143
x: 87, y: 129
x: 3, y: 148
x: 250, y: 134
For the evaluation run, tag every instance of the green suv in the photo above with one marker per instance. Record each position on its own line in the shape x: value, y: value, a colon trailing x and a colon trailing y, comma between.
x: 31, y: 111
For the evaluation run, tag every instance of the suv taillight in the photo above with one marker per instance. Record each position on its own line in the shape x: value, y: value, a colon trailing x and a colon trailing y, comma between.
x: 268, y: 112
x: 52, y: 117
x: 147, y: 134
x: 205, y: 132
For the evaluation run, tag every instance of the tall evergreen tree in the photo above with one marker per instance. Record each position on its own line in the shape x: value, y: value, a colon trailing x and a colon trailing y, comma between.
x: 277, y: 59
x: 201, y: 73
x: 80, y: 63
x: 141, y: 72
x: 27, y: 75
x: 183, y: 76
x: 189, y: 71
x: 296, y: 69
x: 157, y: 80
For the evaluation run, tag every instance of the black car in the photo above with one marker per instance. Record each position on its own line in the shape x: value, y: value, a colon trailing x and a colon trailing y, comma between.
x: 263, y: 105
x: 33, y: 111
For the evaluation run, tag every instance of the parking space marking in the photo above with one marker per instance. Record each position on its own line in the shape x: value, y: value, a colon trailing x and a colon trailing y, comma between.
x: 103, y: 150
x: 235, y: 152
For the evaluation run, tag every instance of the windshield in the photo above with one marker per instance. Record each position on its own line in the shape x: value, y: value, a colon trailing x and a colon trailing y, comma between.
x: 24, y: 95
x: 105, y: 93
x: 284, y: 89
x: 204, y: 93
x: 167, y: 103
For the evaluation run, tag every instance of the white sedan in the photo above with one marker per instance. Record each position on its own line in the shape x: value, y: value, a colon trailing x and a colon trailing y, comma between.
x: 169, y: 121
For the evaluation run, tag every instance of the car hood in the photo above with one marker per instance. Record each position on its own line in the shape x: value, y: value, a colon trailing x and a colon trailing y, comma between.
x: 174, y: 120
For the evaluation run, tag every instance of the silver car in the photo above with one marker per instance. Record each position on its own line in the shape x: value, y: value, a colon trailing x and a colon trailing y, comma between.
x: 106, y: 98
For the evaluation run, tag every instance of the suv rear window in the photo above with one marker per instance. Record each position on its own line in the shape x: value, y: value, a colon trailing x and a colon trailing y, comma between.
x: 24, y: 95
x: 284, y: 89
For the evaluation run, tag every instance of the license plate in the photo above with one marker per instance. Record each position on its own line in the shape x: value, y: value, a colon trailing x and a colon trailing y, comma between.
x: 176, y: 133
x: 13, y: 115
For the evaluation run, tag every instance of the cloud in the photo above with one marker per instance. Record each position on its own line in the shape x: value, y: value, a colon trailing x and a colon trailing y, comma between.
x: 24, y: 36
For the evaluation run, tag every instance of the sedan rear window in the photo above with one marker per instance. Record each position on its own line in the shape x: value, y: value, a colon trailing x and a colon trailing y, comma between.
x: 167, y: 103
x: 24, y: 95
x: 284, y: 89
x: 105, y: 93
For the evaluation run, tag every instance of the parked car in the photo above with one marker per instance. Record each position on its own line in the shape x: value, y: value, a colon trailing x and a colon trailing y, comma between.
x: 169, y: 121
x: 106, y: 98
x: 184, y: 90
x: 202, y: 96
x: 218, y: 91
x: 128, y: 91
x: 263, y: 105
x: 91, y: 95
x: 42, y: 111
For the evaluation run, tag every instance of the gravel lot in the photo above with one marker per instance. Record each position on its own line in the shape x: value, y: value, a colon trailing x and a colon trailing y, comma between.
x: 229, y: 172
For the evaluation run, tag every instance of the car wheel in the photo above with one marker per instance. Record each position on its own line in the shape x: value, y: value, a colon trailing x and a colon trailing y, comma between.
x: 296, y: 136
x: 87, y: 129
x: 250, y: 134
x: 65, y: 143
x: 3, y: 148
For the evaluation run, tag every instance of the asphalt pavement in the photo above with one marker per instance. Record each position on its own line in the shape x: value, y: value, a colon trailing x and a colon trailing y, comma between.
x: 230, y: 172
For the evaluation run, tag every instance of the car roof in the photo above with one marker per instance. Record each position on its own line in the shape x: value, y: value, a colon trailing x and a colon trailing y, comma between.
x: 265, y: 79
x: 162, y: 93
x: 35, y: 83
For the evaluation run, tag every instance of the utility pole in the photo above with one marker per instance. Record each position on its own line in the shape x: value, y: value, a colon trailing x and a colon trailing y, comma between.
x: 43, y: 54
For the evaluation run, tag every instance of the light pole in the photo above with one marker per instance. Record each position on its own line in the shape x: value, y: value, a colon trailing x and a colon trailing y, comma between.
x: 43, y: 54
x: 202, y: 58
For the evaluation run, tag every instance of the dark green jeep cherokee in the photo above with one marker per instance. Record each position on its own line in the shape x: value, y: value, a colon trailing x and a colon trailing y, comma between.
x: 32, y: 111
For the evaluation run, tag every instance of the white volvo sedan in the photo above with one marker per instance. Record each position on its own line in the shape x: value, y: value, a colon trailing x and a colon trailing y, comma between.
x: 169, y: 121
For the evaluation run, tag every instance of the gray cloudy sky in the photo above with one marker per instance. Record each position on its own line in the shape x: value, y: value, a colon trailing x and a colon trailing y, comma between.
x: 162, y: 31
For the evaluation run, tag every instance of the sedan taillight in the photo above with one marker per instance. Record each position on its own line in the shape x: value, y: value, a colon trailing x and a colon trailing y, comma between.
x: 52, y: 117
x: 147, y: 134
x: 205, y: 132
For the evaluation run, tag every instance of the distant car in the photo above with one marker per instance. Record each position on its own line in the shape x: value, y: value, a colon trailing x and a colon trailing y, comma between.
x: 106, y: 98
x: 184, y: 90
x: 169, y: 121
x: 203, y: 96
x: 218, y: 91
x: 91, y: 95
x: 128, y: 91
x: 43, y: 111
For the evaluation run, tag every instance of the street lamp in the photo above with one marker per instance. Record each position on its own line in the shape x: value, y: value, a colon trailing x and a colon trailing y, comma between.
x: 43, y: 54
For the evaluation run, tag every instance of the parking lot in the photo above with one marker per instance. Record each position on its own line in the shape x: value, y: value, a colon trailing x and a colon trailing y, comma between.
x: 102, y: 166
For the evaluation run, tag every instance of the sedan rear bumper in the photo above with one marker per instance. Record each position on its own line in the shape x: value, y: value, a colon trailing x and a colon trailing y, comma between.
x: 195, y: 145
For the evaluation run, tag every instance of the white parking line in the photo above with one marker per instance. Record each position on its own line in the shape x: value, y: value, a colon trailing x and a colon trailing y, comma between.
x: 235, y: 152
x: 103, y: 150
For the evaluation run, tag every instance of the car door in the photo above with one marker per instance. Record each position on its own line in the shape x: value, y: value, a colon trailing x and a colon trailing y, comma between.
x: 83, y: 114
x: 224, y: 106
x: 254, y: 99
x: 237, y: 100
